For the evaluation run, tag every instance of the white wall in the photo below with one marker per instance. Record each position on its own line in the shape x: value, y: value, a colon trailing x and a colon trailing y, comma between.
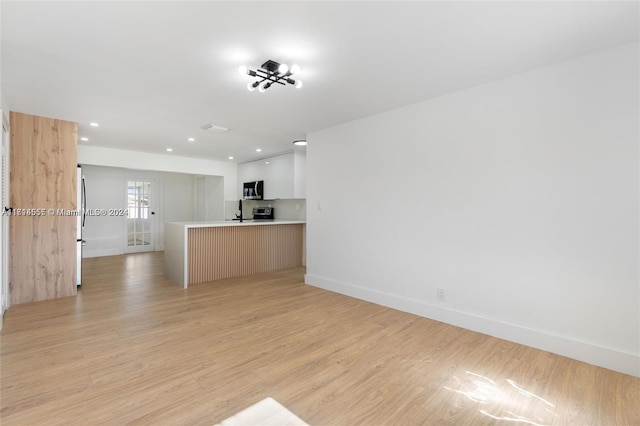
x: 283, y: 209
x: 159, y: 162
x: 214, y: 197
x: 178, y: 194
x: 172, y: 200
x: 519, y: 198
x: 104, y: 235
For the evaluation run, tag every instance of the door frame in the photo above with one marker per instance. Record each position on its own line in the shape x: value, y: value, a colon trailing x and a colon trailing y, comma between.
x: 154, y: 216
x: 4, y: 222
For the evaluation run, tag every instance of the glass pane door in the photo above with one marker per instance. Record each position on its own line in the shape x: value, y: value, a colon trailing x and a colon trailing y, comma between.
x: 140, y: 215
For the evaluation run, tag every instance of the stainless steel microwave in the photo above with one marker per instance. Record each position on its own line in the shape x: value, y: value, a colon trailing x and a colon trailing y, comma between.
x: 253, y: 190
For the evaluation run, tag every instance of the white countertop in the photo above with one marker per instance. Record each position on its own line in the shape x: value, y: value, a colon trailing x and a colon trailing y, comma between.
x: 249, y: 222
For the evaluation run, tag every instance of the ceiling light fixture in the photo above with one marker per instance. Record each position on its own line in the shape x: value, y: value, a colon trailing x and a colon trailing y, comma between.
x: 83, y: 139
x: 271, y: 72
x: 300, y: 142
x: 94, y: 124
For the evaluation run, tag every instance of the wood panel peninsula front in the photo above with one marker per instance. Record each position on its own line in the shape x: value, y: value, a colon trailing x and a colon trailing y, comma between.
x: 198, y: 252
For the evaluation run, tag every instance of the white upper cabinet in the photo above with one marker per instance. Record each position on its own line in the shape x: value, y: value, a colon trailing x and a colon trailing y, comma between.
x: 299, y: 174
x: 284, y: 175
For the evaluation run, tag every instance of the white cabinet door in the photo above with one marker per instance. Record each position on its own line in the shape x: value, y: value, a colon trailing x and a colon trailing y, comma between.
x: 278, y: 173
x: 299, y: 174
x: 283, y: 175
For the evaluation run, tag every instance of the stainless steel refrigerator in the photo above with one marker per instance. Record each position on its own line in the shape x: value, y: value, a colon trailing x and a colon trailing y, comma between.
x: 81, y: 205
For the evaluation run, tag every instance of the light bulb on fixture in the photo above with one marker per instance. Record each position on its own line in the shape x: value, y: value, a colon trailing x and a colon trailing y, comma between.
x: 298, y: 84
x: 242, y: 69
x: 252, y: 86
x: 283, y: 68
x: 295, y: 68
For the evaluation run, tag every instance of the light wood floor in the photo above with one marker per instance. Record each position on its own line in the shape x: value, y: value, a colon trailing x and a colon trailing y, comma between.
x: 133, y: 348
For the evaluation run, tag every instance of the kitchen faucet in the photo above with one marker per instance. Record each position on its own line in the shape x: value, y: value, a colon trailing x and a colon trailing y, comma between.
x: 239, y: 217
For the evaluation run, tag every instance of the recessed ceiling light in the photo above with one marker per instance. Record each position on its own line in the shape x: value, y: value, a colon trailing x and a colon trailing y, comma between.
x: 93, y: 124
x: 266, y: 162
x: 300, y: 142
x: 258, y: 150
x: 84, y: 139
x: 169, y: 149
x: 230, y: 158
x: 191, y: 139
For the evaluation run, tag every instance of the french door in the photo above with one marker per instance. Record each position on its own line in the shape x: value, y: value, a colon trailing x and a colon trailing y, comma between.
x: 140, y: 216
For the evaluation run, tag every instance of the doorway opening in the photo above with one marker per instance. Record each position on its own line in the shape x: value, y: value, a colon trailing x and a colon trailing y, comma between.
x: 139, y: 217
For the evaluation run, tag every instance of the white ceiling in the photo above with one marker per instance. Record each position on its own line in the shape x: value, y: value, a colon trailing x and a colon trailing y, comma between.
x: 153, y: 73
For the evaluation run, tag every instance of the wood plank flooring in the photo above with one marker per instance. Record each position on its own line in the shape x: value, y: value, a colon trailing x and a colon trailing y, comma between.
x: 134, y: 348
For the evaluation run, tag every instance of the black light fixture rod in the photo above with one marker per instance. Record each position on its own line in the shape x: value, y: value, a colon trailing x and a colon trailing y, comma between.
x: 269, y: 71
x: 271, y: 81
x: 269, y: 76
x: 272, y: 78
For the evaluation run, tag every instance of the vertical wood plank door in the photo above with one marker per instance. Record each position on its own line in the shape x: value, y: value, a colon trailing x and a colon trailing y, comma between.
x: 42, y: 262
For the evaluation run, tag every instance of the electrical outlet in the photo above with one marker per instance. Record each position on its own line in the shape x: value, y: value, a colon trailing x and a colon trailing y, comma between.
x: 440, y: 295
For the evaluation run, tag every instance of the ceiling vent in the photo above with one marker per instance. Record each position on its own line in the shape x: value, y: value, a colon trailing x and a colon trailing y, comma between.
x: 214, y: 129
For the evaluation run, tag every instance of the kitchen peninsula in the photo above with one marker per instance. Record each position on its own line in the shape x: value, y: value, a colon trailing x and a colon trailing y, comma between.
x: 198, y: 252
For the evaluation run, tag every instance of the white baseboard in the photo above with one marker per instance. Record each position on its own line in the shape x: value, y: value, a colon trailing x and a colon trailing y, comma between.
x: 100, y: 253
x: 612, y: 359
x: 98, y: 247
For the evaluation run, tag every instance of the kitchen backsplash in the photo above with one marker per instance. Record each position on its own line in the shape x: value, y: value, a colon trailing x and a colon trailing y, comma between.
x: 284, y: 209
